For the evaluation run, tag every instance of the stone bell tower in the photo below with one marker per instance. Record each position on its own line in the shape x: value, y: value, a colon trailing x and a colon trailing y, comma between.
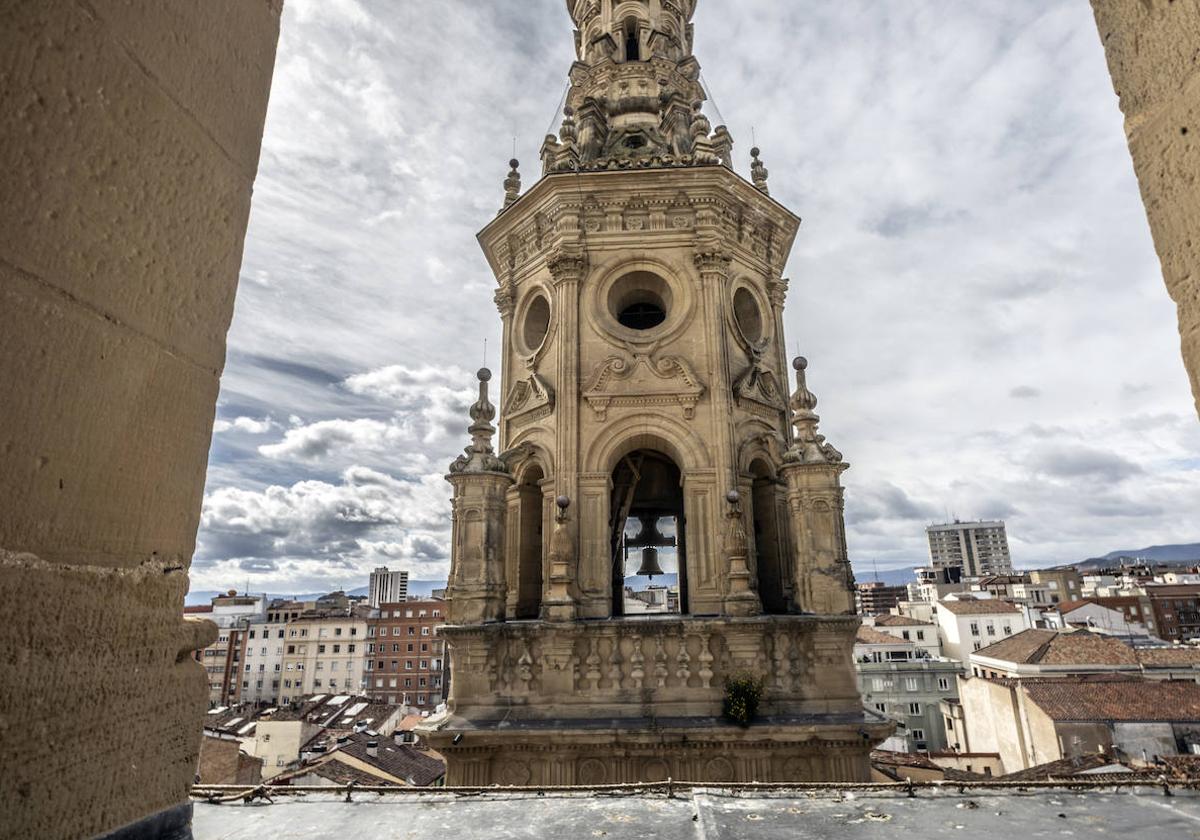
x: 645, y: 428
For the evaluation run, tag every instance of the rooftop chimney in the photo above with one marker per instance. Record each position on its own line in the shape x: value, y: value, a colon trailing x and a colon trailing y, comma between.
x: 373, y: 749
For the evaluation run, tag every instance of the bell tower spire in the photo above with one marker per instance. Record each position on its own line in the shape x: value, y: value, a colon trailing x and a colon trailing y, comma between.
x: 649, y: 526
x: 635, y: 97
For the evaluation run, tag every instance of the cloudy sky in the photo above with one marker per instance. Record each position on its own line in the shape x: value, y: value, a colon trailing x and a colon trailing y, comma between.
x: 974, y: 282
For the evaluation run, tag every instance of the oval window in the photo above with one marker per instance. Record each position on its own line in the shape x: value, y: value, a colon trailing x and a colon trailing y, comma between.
x: 640, y: 300
x: 536, y: 323
x: 747, y: 315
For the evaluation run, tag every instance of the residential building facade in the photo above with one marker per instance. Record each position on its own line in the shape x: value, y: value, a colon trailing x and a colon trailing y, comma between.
x: 978, y: 548
x: 902, y: 682
x: 323, y: 654
x: 405, y: 660
x: 262, y: 669
x: 387, y: 587
x: 967, y: 624
x: 874, y: 596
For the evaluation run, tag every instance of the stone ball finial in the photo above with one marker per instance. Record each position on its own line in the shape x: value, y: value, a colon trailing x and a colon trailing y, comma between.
x: 568, y: 111
x: 514, y: 163
x: 755, y: 152
x: 799, y: 363
x: 733, y: 497
x: 563, y: 502
x: 484, y: 374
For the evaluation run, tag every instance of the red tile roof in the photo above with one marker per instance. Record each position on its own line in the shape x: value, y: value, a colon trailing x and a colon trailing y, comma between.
x: 891, y: 620
x: 1115, y: 699
x: 870, y: 636
x: 1051, y: 647
x: 980, y: 606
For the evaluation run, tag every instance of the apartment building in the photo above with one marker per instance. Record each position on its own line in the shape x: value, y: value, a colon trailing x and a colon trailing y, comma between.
x: 323, y: 654
x: 387, y: 587
x: 262, y: 668
x: 222, y: 660
x: 978, y: 548
x: 903, y: 682
x: 406, y: 662
x: 874, y: 597
x: 1176, y: 609
x: 967, y: 624
x: 923, y: 635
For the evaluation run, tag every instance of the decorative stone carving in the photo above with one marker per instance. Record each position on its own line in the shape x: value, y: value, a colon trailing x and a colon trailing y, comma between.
x: 643, y: 381
x: 528, y: 400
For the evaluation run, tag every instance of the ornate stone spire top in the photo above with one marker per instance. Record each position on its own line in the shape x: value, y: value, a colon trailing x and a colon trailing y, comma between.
x: 758, y: 172
x: 512, y: 184
x: 479, y: 456
x: 635, y: 92
x: 809, y: 447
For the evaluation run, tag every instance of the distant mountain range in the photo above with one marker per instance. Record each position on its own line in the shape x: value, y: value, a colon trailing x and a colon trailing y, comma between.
x: 419, y: 588
x: 1180, y: 554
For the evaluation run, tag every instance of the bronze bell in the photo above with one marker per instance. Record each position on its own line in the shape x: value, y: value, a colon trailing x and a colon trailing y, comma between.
x: 650, y: 567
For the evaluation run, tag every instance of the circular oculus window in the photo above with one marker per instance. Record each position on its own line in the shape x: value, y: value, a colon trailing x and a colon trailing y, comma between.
x: 640, y: 300
x: 535, y: 324
x: 748, y: 315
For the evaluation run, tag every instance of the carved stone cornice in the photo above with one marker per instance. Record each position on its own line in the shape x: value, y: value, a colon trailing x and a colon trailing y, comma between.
x: 777, y: 288
x: 566, y: 265
x: 712, y: 261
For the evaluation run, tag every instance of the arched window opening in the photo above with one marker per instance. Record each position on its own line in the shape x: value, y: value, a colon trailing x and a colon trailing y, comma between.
x: 649, y: 557
x: 530, y: 542
x: 633, y: 48
x: 768, y: 554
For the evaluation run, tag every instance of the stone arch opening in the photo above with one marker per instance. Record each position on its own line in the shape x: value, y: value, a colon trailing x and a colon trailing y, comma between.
x: 530, y: 542
x: 647, y: 536
x: 768, y: 548
x: 629, y: 34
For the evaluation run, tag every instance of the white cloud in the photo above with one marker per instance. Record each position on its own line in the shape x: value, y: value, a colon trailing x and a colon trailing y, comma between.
x: 974, y: 282
x: 244, y: 424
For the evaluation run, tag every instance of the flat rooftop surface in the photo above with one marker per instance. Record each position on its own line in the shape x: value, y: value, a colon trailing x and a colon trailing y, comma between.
x: 702, y: 814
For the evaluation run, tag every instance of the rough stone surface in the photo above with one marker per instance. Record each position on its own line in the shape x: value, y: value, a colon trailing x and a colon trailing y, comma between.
x: 711, y: 814
x: 1153, y: 51
x: 131, y: 138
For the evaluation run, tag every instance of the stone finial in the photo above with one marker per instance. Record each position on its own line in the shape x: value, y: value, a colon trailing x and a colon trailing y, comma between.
x: 512, y: 184
x: 722, y: 142
x: 479, y: 456
x: 758, y: 172
x: 809, y: 447
x: 566, y: 131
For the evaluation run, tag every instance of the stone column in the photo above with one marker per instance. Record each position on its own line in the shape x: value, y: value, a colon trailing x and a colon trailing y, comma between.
x: 567, y: 267
x: 1151, y: 51
x: 131, y: 143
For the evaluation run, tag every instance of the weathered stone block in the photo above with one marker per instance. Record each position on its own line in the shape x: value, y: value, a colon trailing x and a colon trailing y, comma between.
x: 103, y: 455
x: 126, y: 203
x: 1153, y: 49
x: 102, y: 702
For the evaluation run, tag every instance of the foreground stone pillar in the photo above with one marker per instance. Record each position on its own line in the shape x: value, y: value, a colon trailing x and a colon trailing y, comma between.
x: 1151, y: 50
x: 131, y: 141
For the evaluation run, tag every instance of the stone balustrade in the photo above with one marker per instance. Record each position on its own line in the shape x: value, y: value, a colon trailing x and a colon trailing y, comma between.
x: 650, y: 667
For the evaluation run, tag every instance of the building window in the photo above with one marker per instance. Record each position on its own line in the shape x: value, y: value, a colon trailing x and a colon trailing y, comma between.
x: 350, y: 648
x: 337, y: 648
x: 911, y: 684
x: 914, y: 708
x: 991, y: 630
x: 920, y: 635
x: 974, y: 629
x: 943, y: 684
x: 320, y: 648
x: 977, y: 646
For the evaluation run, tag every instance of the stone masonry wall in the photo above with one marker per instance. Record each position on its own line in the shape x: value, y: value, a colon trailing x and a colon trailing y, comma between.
x: 1153, y: 50
x: 131, y: 139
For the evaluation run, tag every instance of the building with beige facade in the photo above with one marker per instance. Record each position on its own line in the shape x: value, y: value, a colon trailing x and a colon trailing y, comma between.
x: 323, y: 655
x: 645, y: 427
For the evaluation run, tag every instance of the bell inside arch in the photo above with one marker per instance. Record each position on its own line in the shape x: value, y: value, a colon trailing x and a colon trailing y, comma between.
x: 650, y: 567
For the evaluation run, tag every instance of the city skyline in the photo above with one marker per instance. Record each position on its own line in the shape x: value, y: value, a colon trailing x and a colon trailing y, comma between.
x: 974, y: 256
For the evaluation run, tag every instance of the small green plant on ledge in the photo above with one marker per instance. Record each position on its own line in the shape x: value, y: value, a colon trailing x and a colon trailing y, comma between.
x: 742, y: 693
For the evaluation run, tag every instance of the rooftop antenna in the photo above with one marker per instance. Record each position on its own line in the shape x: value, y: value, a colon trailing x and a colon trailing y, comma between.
x: 875, y: 566
x: 485, y: 351
x: 753, y: 139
